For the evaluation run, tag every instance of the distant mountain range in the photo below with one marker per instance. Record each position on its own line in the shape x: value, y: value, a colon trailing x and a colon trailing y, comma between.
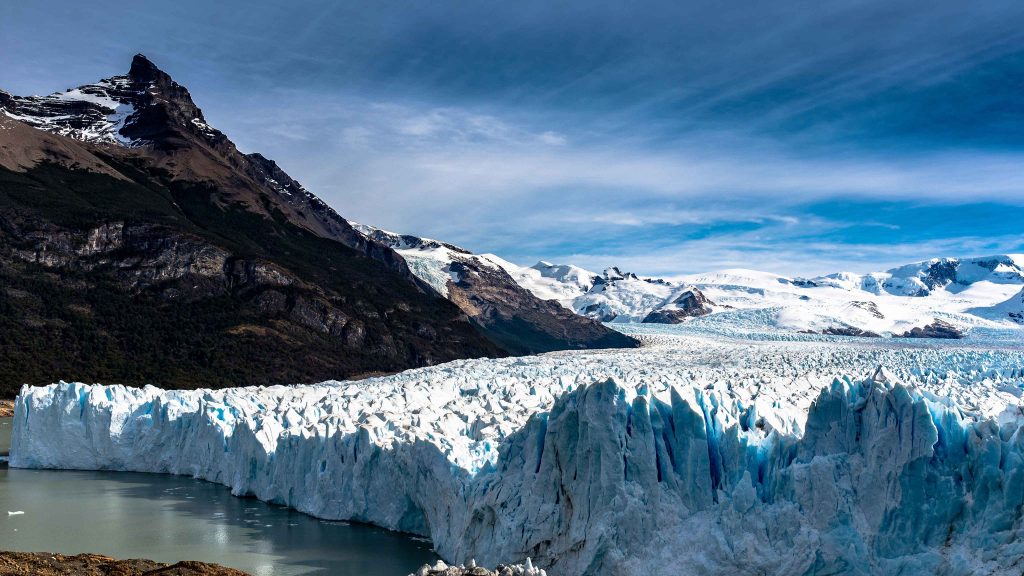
x: 942, y: 297
x: 138, y: 245
x: 514, y: 316
x: 961, y: 293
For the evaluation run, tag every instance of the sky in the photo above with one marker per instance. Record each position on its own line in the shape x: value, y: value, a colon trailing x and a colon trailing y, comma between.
x: 666, y: 138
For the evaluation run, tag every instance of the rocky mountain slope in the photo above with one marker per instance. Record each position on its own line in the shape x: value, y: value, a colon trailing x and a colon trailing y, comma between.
x: 613, y: 295
x: 138, y: 245
x: 517, y: 319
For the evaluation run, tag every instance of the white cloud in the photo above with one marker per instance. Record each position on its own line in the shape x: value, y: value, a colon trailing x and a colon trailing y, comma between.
x: 552, y: 138
x: 500, y: 184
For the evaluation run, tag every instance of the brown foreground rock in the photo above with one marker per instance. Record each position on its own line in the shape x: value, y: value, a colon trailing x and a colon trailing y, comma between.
x: 46, y: 564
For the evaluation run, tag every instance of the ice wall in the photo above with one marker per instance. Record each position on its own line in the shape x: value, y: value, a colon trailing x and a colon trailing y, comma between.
x: 884, y: 480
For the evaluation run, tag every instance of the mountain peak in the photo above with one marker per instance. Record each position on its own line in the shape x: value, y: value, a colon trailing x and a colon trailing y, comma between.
x: 144, y: 71
x: 142, y: 66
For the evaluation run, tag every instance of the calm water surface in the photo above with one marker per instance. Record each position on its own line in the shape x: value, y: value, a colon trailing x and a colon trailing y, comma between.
x: 5, y: 434
x: 171, y: 518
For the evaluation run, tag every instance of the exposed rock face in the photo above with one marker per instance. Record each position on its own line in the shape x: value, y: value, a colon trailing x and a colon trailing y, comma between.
x: 146, y: 122
x: 937, y: 329
x: 45, y: 564
x: 689, y: 303
x: 133, y: 229
x: 510, y: 315
x: 869, y: 307
x: 1016, y: 307
x: 939, y: 274
x: 517, y: 320
x: 849, y: 331
x: 23, y: 147
x: 149, y: 112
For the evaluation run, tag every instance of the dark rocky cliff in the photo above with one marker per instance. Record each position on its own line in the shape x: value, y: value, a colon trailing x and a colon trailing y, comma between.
x: 149, y: 250
x: 517, y: 320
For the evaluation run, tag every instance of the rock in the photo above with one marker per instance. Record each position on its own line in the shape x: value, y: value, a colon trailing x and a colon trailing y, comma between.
x: 510, y: 315
x: 513, y: 318
x: 849, y: 331
x: 689, y: 303
x: 937, y: 329
x: 869, y: 307
x: 46, y: 564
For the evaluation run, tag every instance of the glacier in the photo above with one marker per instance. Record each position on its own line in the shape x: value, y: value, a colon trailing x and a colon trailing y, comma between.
x: 695, y: 454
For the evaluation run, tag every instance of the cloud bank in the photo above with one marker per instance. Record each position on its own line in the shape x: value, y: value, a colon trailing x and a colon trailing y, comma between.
x: 664, y: 137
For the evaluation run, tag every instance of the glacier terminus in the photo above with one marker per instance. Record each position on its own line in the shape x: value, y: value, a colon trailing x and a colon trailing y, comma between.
x: 697, y: 453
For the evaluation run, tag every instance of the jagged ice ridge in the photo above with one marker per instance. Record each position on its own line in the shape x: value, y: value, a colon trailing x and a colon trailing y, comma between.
x: 697, y: 454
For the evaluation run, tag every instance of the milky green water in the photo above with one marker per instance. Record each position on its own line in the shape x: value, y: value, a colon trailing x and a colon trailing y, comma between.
x: 171, y: 518
x: 5, y: 434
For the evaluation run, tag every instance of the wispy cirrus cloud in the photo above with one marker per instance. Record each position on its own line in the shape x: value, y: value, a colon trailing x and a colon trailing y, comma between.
x: 497, y: 186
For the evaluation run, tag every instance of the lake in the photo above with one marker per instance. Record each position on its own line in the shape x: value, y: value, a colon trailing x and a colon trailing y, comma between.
x: 171, y: 518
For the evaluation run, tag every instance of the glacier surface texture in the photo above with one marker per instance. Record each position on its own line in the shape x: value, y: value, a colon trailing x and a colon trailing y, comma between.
x: 692, y: 455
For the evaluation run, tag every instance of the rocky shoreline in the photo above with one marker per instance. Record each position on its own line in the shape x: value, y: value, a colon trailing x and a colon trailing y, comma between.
x: 46, y: 564
x: 6, y: 408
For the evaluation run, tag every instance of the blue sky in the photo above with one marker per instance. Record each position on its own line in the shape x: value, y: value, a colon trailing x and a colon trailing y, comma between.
x: 664, y: 137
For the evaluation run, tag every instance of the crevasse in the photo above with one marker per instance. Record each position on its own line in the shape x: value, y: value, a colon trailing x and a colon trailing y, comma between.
x: 883, y: 480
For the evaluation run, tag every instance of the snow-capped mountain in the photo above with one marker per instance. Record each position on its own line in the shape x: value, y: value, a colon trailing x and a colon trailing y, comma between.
x: 129, y: 110
x: 927, y: 277
x: 146, y: 112
x: 127, y: 171
x: 429, y: 259
x: 551, y: 281
x: 145, y: 116
x: 941, y: 297
x: 93, y: 113
x: 613, y: 295
x: 893, y: 302
x: 518, y: 319
x: 960, y: 293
